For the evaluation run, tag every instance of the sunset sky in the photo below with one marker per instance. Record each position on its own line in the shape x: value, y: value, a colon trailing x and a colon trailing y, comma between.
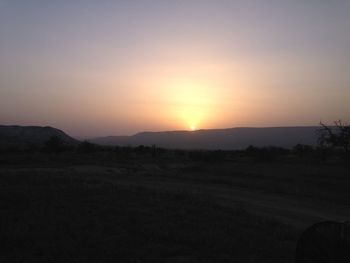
x: 106, y: 67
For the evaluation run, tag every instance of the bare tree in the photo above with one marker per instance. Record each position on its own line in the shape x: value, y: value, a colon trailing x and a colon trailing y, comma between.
x: 337, y: 136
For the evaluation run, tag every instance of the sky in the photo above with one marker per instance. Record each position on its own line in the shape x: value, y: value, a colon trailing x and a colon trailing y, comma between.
x: 95, y: 68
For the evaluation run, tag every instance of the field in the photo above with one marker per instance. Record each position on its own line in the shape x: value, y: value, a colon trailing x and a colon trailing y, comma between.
x: 102, y: 207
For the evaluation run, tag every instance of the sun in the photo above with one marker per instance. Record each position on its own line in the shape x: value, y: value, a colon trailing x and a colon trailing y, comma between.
x: 191, y: 100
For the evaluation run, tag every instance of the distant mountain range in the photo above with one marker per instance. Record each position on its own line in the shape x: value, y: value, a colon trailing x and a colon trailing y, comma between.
x: 21, y: 135
x: 225, y: 139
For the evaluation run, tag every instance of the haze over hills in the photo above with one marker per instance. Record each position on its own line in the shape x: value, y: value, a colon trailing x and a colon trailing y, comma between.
x: 225, y: 139
x: 17, y: 135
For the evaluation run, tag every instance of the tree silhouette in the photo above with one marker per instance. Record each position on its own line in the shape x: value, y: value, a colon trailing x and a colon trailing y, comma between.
x: 337, y: 136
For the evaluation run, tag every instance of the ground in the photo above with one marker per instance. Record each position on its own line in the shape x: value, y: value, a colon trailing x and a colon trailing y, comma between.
x: 102, y: 208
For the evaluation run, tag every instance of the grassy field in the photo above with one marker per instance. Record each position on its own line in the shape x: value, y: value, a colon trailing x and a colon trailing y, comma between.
x: 98, y: 208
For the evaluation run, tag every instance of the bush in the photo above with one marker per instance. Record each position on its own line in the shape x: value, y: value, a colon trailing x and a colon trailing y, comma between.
x: 86, y: 147
x: 302, y: 150
x: 54, y: 145
x: 266, y: 153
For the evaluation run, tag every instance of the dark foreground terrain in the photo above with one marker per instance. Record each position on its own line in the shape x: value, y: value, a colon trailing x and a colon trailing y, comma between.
x: 135, y: 207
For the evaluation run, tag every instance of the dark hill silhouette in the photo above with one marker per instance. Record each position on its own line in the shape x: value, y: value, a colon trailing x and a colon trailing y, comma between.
x: 225, y: 139
x: 18, y: 135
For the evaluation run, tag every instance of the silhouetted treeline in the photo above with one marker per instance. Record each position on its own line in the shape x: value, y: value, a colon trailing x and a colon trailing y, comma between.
x: 87, y: 152
x: 334, y: 143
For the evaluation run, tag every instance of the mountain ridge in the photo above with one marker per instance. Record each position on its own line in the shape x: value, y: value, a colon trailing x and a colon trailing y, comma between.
x: 17, y: 135
x: 227, y: 138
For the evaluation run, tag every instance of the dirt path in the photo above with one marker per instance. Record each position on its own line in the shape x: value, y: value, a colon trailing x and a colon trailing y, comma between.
x: 299, y: 214
x: 286, y: 209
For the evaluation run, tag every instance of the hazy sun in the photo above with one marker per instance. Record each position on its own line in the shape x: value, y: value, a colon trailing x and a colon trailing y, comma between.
x: 191, y: 100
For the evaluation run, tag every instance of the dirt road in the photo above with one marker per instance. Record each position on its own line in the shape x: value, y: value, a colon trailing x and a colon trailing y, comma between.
x: 297, y: 213
x: 290, y: 210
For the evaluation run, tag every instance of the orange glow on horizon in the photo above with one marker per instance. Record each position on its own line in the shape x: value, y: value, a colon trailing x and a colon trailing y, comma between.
x: 190, y: 101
